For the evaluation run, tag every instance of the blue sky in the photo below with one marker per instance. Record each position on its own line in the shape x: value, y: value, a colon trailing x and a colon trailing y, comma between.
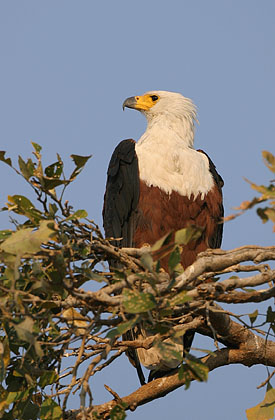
x: 66, y: 68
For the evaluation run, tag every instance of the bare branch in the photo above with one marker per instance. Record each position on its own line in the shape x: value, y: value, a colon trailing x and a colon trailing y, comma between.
x: 255, y: 351
x: 217, y: 260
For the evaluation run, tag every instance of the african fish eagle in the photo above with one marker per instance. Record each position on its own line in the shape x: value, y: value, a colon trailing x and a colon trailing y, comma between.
x: 161, y: 184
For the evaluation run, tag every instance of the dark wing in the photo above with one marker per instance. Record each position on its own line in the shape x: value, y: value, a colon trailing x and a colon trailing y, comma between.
x: 122, y: 194
x: 216, y: 238
x: 120, y: 211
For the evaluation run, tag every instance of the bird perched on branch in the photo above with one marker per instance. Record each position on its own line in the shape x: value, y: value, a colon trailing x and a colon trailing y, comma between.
x: 161, y: 184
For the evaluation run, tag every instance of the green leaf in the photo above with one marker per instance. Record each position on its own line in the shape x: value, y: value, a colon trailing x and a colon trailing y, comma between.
x: 49, y: 184
x: 162, y: 241
x: 38, y: 349
x: 261, y: 212
x: 179, y: 299
x: 6, y: 353
x: 36, y: 147
x: 270, y: 315
x: 174, y: 259
x: 4, y: 234
x: 3, y: 398
x: 50, y: 410
x: 47, y: 378
x: 15, y: 396
x: 76, y: 320
x: 79, y: 214
x: 122, y: 328
x: 2, y: 368
x: 198, y: 369
x: 269, y: 160
x: 184, y: 374
x: 22, y: 205
x: 4, y: 357
x: 53, y: 209
x: 270, y: 213
x: 27, y: 169
x: 3, y: 159
x: 185, y: 235
x: 24, y: 330
x: 135, y: 302
x: 28, y: 241
x: 147, y: 261
x: 118, y: 412
x: 29, y: 410
x: 265, y: 409
x: 20, y: 201
x: 267, y: 192
x: 253, y: 316
x: 54, y: 170
x: 80, y: 162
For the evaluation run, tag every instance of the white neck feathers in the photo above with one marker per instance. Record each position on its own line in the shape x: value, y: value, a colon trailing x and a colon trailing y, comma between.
x: 179, y: 128
x: 167, y: 158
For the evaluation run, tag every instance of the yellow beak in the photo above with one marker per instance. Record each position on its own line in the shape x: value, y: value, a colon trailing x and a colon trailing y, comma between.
x: 141, y: 103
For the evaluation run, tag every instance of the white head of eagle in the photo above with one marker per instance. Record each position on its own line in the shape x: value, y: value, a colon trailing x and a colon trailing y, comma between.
x: 167, y: 111
x: 165, y: 151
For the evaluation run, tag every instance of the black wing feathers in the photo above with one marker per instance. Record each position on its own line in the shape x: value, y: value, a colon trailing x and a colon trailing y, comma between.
x: 217, y: 178
x: 120, y: 211
x: 122, y: 194
x: 216, y: 240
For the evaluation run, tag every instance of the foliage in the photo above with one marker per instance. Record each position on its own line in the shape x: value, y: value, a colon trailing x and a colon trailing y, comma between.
x: 38, y: 270
x: 264, y: 410
x: 46, y: 315
x: 267, y: 195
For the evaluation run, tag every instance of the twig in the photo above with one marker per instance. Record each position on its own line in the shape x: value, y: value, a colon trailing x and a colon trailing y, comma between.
x: 113, y: 393
x: 267, y: 380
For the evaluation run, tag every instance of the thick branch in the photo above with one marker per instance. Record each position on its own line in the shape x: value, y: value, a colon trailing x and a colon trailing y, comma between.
x: 255, y: 351
x: 245, y: 297
x: 217, y: 260
x: 251, y: 349
x: 243, y: 345
x: 211, y: 261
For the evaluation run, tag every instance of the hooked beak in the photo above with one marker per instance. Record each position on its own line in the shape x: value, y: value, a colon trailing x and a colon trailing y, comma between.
x: 130, y: 103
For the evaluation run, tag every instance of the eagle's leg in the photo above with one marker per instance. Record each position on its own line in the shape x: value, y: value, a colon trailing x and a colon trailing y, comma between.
x: 187, y: 342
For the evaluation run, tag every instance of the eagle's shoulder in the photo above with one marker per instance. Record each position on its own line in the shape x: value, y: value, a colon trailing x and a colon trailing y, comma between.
x: 216, y: 176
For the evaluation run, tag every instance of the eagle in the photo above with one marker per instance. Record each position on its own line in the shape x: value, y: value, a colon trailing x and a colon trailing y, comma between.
x: 158, y: 185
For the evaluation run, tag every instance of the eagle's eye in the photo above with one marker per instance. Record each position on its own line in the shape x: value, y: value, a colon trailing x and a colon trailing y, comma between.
x: 154, y: 98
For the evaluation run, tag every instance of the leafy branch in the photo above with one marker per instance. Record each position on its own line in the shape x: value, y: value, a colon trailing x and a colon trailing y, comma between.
x: 267, y: 195
x: 47, y: 316
x: 44, y: 183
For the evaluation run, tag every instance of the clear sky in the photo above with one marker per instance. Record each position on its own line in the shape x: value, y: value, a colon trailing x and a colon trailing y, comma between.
x: 67, y: 66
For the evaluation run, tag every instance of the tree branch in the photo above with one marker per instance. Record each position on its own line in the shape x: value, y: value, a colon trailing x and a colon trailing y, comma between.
x: 254, y: 351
